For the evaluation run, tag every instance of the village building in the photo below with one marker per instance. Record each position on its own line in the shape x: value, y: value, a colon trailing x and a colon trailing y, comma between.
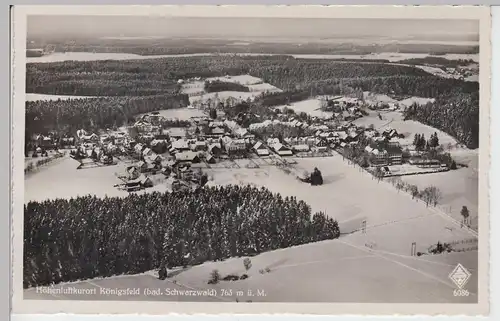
x: 385, y: 153
x: 424, y: 163
x: 260, y: 149
x: 214, y: 149
x: 147, y: 152
x: 282, y: 150
x: 301, y: 148
x: 179, y: 145
x: 68, y: 141
x: 176, y: 132
x: 138, y: 148
x: 197, y: 146
x: 216, y: 131
x: 158, y: 146
x: 209, y: 158
x: 92, y: 138
x: 153, y: 158
x: 187, y: 156
x: 234, y: 146
x: 143, y: 126
x: 272, y: 141
x: 44, y: 141
x: 145, y: 167
x: 133, y: 172
x: 390, y: 133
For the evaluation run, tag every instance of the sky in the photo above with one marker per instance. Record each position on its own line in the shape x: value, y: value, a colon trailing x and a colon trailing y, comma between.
x: 258, y: 28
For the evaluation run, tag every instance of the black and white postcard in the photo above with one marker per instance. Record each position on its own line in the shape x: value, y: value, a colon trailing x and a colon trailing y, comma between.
x: 251, y: 159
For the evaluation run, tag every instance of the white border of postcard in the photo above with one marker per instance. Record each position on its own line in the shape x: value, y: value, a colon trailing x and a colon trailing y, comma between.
x: 19, y: 14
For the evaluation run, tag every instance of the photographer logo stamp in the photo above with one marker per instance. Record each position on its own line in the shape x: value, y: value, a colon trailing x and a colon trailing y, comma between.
x: 460, y: 276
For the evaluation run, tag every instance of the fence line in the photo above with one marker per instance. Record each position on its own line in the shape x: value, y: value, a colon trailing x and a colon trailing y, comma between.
x: 434, y: 209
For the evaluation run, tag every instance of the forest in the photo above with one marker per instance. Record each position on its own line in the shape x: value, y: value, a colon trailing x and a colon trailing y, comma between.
x: 67, y: 116
x: 160, y: 75
x: 457, y: 115
x: 217, y: 86
x: 87, y: 237
x: 451, y: 63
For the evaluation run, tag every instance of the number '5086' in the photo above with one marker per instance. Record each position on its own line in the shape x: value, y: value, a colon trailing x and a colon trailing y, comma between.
x: 460, y: 292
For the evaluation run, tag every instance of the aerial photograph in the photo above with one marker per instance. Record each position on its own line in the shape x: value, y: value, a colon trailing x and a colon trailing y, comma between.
x: 217, y: 159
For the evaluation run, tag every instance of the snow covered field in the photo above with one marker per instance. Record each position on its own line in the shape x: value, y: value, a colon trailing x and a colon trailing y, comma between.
x: 415, y: 100
x: 458, y: 187
x: 240, y: 79
x: 383, y: 273
x: 309, y: 106
x: 181, y: 113
x: 35, y: 97
x: 376, y: 202
x: 63, y: 180
x: 319, y: 270
x: 88, y: 56
x: 223, y: 95
x: 264, y: 87
x: 394, y: 120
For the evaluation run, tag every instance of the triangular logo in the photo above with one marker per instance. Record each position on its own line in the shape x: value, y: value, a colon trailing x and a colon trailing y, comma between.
x: 460, y: 276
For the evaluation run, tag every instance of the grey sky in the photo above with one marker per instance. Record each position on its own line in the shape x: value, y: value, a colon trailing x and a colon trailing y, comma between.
x: 252, y: 27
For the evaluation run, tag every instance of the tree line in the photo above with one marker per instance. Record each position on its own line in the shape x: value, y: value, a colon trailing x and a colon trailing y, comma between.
x: 88, y: 237
x: 217, y: 86
x: 143, y: 76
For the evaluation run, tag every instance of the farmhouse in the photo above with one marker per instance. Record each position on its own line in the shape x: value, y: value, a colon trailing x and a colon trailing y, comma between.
x: 260, y: 149
x: 282, y: 150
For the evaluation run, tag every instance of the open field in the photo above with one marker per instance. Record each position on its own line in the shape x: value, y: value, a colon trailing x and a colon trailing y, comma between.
x: 88, y: 56
x: 63, y: 180
x: 376, y: 202
x: 241, y: 79
x: 223, y: 95
x: 394, y: 120
x: 459, y: 188
x: 310, y: 107
x: 181, y: 113
x: 389, y: 278
x: 264, y: 87
x: 415, y: 100
x: 35, y: 97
